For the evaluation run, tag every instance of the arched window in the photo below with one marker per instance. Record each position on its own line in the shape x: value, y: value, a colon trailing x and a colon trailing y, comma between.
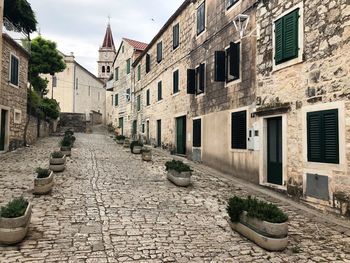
x: 108, y: 69
x: 103, y: 69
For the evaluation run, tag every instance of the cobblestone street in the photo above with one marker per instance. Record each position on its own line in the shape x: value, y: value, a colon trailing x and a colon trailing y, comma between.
x: 109, y: 206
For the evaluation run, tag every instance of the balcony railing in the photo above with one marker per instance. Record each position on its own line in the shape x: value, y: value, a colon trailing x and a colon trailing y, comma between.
x: 16, y: 34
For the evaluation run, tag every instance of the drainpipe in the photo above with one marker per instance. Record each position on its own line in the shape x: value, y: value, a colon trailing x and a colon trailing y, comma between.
x: 74, y: 85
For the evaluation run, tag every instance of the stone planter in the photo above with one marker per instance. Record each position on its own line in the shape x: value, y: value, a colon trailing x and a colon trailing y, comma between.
x: 43, y: 185
x: 147, y: 156
x: 120, y: 142
x: 66, y: 150
x: 126, y: 143
x: 180, y: 179
x: 136, y: 150
x: 14, y: 230
x: 58, y: 165
x: 270, y: 236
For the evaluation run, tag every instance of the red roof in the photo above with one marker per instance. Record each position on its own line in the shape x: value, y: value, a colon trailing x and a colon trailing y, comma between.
x: 108, y: 40
x: 136, y: 44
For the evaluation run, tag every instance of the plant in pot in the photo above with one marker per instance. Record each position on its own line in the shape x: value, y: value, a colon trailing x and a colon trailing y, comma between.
x: 126, y: 143
x: 70, y: 138
x: 66, y: 146
x: 57, y: 162
x: 263, y: 223
x: 136, y: 147
x: 120, y: 139
x: 43, y: 182
x: 14, y: 221
x: 178, y: 173
x: 146, y: 154
x: 69, y: 133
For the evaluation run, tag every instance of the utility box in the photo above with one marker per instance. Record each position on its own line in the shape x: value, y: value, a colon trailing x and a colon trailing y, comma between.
x: 253, y: 138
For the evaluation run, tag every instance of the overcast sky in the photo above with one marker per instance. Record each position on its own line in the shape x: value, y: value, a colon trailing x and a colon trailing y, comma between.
x: 79, y: 25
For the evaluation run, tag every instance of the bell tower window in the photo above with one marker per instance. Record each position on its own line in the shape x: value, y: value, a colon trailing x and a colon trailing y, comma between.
x: 103, y: 69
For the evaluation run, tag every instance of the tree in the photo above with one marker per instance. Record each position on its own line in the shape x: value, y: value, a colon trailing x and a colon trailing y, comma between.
x: 21, y: 15
x: 45, y: 59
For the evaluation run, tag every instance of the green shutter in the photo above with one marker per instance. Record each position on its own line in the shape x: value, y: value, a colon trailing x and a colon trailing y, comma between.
x: 128, y: 66
x: 290, y: 33
x: 148, y: 97
x: 139, y: 72
x: 159, y: 90
x: 197, y: 133
x: 323, y: 136
x: 279, y: 41
x: 176, y: 81
x: 138, y: 103
x: 239, y: 130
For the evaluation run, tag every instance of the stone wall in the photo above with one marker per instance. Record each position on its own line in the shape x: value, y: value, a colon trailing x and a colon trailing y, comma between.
x: 38, y: 129
x: 74, y: 121
x: 319, y: 80
x: 14, y: 99
x: 96, y: 118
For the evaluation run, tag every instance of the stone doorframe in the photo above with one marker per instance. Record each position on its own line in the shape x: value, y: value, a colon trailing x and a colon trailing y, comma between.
x: 263, y: 152
x: 7, y: 128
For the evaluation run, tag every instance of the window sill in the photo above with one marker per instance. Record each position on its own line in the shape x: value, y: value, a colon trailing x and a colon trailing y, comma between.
x: 198, y: 35
x: 232, y: 82
x: 176, y: 48
x: 176, y: 94
x: 232, y: 7
x: 239, y: 150
x: 200, y: 95
x: 286, y: 64
x: 13, y: 85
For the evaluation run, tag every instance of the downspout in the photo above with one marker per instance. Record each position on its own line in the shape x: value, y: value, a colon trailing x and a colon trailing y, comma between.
x: 74, y: 85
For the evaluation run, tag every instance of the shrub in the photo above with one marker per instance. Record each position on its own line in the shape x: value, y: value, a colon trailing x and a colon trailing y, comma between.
x: 15, y: 208
x: 42, y: 173
x: 120, y: 137
x: 178, y: 166
x: 66, y: 141
x: 69, y: 133
x: 255, y: 208
x: 110, y: 127
x: 57, y: 155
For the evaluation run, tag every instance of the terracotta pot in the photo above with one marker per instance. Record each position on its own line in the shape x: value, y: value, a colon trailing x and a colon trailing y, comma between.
x: 14, y: 230
x: 44, y: 185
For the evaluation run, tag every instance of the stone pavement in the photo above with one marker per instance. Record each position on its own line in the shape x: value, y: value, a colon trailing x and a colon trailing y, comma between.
x: 109, y: 206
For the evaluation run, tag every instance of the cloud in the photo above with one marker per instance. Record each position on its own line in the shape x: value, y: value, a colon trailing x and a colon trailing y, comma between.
x: 79, y: 25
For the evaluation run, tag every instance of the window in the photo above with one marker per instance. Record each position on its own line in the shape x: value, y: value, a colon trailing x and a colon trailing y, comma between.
x: 116, y: 73
x: 128, y: 95
x: 89, y: 92
x: 112, y: 100
x: 176, y: 36
x: 148, y: 98
x: 108, y: 69
x: 128, y: 66
x: 286, y: 37
x: 323, y: 136
x: 138, y: 72
x: 116, y: 103
x: 103, y: 69
x: 159, y: 52
x: 239, y: 130
x: 230, y: 3
x: 196, y: 80
x: 201, y: 18
x: 228, y: 63
x: 160, y: 91
x: 138, y: 103
x: 197, y: 133
x: 176, y: 81
x: 148, y: 63
x: 143, y: 128
x: 17, y: 116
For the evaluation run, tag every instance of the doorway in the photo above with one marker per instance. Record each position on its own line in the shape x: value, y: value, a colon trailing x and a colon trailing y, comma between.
x: 181, y: 135
x: 274, y: 151
x: 3, y: 129
x: 147, y: 131
x: 159, y: 133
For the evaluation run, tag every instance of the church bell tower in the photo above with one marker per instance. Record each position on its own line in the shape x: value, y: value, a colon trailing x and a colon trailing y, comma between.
x: 107, y: 54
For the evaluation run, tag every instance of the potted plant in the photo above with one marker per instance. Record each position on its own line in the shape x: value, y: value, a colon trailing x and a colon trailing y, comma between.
x: 136, y: 147
x: 14, y: 221
x: 68, y: 133
x: 120, y: 139
x: 146, y: 154
x: 263, y: 223
x: 178, y: 173
x: 57, y: 162
x: 43, y: 182
x: 66, y: 146
x: 126, y: 143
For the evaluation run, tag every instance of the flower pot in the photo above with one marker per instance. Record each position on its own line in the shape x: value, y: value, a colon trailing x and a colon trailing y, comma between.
x: 43, y: 185
x: 182, y: 179
x: 136, y: 149
x: 270, y: 236
x: 58, y: 164
x: 66, y: 150
x: 14, y: 230
x: 126, y: 143
x: 120, y: 142
x: 147, y: 156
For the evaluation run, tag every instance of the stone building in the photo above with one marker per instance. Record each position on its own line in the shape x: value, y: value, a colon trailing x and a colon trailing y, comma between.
x: 120, y: 95
x: 13, y: 94
x: 303, y: 74
x: 196, y: 93
x: 77, y: 90
x: 107, y: 54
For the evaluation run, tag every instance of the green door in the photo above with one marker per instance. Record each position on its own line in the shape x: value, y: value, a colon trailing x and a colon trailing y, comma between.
x: 134, y: 128
x: 181, y: 135
x: 274, y: 151
x: 121, y: 125
x: 159, y: 133
x: 147, y: 131
x: 2, y: 130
